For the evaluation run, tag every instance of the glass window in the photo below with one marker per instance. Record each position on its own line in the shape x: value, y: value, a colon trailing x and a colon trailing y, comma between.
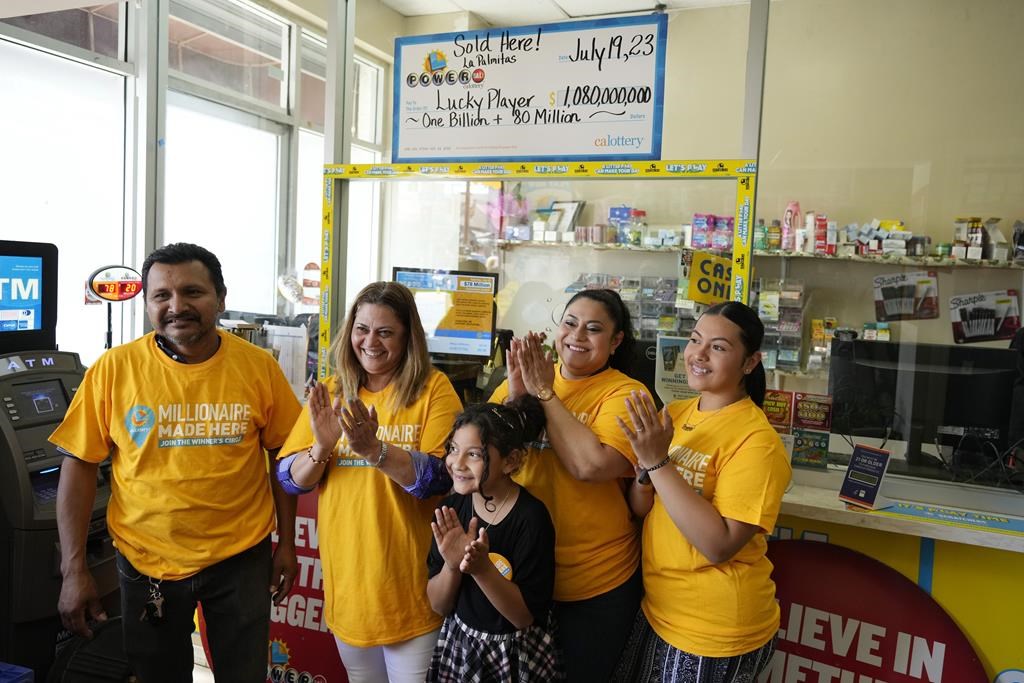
x: 67, y: 185
x: 364, y: 220
x: 221, y: 191
x: 231, y: 45
x: 93, y: 28
x: 308, y: 216
x: 313, y: 85
x: 912, y: 154
x: 367, y: 114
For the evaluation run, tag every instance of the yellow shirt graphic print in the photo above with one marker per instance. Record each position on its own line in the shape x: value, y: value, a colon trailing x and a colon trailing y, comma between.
x: 691, y: 464
x: 502, y: 564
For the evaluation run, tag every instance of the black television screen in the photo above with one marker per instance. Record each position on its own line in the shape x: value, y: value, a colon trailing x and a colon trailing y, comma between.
x: 28, y: 296
x: 945, y: 407
x: 456, y: 308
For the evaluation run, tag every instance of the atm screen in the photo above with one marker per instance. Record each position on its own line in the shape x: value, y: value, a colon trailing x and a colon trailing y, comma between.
x: 40, y: 401
x: 21, y: 293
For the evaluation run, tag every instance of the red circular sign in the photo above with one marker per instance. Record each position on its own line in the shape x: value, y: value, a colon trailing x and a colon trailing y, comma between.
x: 846, y: 612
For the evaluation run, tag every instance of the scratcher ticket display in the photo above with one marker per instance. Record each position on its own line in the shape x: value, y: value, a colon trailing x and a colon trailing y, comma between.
x: 984, y: 316
x: 907, y: 296
x: 778, y: 408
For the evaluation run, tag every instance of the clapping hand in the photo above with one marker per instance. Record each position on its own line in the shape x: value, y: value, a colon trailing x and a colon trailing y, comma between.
x: 476, y: 558
x: 651, y: 432
x: 324, y: 416
x: 515, y: 373
x: 360, y: 426
x: 452, y: 540
x: 536, y: 365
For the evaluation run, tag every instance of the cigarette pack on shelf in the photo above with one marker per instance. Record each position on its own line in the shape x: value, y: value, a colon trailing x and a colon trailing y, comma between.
x: 791, y: 294
x: 660, y: 289
x: 789, y: 352
x: 781, y: 305
x: 629, y: 288
x: 664, y: 314
x: 822, y: 332
x: 648, y: 328
x: 587, y: 281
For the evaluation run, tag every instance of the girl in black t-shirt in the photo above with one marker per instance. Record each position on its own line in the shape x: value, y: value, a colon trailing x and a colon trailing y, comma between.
x: 492, y: 560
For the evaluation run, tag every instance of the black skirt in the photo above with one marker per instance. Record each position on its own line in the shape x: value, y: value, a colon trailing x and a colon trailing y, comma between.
x: 466, y: 655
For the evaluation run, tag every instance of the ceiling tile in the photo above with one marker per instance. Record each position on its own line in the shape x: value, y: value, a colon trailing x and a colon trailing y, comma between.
x: 416, y: 8
x: 523, y: 12
x: 589, y: 8
x: 515, y: 13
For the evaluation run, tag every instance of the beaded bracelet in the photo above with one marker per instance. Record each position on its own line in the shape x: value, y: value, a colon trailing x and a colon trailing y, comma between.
x: 645, y: 476
x: 309, y: 454
x: 383, y: 454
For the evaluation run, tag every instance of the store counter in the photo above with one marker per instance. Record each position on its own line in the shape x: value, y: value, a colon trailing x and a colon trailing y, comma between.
x: 823, y: 504
x: 966, y: 553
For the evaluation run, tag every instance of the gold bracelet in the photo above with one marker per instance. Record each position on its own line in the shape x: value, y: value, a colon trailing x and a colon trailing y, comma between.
x: 309, y: 454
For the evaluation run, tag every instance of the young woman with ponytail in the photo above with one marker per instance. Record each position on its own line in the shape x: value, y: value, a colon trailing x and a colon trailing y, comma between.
x: 712, y: 472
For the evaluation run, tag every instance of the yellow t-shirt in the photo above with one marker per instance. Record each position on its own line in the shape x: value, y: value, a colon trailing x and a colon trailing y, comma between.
x: 737, y: 462
x: 596, y: 544
x: 190, y: 485
x: 374, y: 537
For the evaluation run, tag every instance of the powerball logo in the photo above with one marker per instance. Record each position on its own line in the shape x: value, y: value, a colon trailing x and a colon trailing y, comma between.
x: 279, y: 670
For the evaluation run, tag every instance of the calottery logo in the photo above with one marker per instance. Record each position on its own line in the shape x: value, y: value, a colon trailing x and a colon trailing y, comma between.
x: 139, y: 423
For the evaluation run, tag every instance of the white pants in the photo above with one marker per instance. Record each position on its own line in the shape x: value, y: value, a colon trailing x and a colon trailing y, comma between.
x: 405, y: 662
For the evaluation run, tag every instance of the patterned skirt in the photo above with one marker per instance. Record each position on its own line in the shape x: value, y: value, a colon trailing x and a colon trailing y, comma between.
x: 466, y: 655
x: 649, y: 659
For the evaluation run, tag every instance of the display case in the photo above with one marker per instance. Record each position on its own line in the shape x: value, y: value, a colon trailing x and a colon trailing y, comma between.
x: 549, y: 230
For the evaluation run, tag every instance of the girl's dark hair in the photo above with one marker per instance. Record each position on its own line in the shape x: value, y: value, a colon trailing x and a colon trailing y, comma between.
x: 622, y: 358
x: 751, y: 334
x: 506, y: 426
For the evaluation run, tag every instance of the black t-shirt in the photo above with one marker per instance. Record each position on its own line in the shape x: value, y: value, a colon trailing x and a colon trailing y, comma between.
x: 525, y: 538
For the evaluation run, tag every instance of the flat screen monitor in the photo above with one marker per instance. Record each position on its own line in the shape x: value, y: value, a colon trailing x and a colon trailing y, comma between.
x: 456, y: 308
x: 934, y: 406
x: 28, y: 296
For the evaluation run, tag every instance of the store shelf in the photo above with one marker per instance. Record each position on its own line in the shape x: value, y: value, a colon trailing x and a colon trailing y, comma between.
x: 596, y: 246
x: 799, y: 374
x: 926, y: 261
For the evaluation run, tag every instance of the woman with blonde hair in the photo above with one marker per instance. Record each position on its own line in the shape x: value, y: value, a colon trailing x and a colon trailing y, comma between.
x: 366, y: 437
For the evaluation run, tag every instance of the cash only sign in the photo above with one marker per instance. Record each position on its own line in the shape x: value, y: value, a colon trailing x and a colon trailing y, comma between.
x: 587, y: 90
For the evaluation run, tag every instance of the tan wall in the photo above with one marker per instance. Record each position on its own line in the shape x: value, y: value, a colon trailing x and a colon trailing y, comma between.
x: 442, y: 23
x: 908, y: 109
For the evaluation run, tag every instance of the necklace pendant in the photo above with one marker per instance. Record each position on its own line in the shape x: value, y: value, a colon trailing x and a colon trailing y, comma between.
x: 689, y: 427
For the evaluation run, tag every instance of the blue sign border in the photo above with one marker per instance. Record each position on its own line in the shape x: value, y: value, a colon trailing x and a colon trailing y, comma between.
x: 660, y: 22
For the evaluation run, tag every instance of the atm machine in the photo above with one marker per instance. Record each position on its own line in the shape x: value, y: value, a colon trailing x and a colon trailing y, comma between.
x: 36, y: 387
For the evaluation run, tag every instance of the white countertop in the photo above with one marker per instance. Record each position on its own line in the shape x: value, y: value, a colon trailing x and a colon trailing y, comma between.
x: 823, y: 504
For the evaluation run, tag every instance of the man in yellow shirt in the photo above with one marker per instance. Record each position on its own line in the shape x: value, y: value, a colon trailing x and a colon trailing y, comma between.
x: 186, y: 414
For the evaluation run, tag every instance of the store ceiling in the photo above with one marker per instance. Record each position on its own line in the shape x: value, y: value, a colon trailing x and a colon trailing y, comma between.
x: 540, y: 11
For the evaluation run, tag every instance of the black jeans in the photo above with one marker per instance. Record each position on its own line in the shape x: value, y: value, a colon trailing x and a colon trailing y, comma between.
x: 236, y: 606
x: 593, y: 632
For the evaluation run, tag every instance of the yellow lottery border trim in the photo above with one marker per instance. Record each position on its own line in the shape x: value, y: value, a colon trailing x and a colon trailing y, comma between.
x: 742, y: 171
